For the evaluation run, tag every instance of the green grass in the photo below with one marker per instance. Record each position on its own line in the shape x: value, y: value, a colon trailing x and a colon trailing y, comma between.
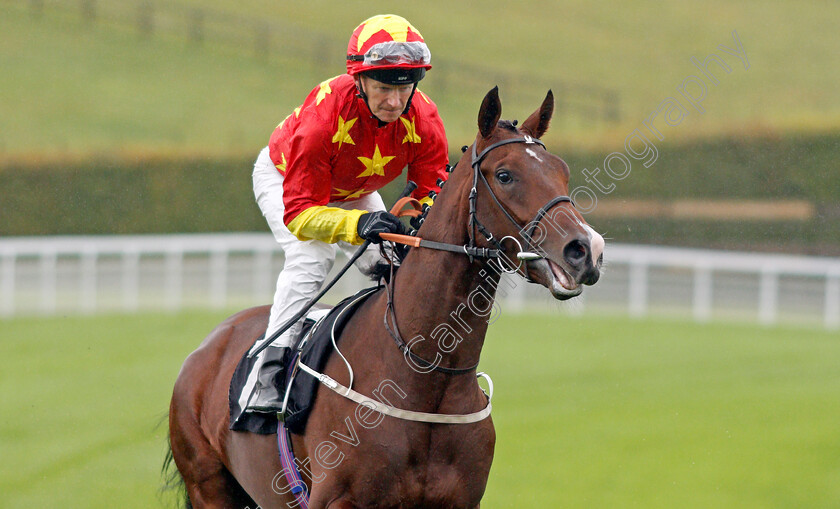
x: 81, y: 402
x: 615, y: 413
x: 590, y: 411
x: 70, y: 87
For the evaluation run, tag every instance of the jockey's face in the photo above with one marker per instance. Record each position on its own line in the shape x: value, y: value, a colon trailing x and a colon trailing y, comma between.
x: 387, y: 102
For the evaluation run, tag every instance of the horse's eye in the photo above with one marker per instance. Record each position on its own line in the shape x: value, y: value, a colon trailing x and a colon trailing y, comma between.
x: 504, y: 176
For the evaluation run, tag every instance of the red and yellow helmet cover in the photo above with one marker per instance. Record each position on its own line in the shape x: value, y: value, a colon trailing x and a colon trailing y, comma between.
x: 382, y: 28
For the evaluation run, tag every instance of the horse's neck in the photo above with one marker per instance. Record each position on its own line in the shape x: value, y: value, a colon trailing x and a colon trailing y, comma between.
x: 443, y: 296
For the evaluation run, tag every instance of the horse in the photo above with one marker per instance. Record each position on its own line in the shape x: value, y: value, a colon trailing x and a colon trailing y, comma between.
x: 505, y: 200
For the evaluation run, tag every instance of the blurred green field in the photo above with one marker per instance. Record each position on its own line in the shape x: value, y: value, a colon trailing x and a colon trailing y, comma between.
x: 590, y: 411
x: 78, y: 88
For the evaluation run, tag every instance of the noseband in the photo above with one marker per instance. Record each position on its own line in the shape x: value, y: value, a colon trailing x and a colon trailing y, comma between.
x: 474, y: 223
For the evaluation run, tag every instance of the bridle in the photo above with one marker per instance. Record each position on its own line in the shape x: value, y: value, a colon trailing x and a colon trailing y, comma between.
x: 526, y: 235
x: 472, y: 250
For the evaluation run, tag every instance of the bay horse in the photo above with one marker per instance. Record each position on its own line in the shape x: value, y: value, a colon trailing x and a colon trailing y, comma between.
x: 506, y: 198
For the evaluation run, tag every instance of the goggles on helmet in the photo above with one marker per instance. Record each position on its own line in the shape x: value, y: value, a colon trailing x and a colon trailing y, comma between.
x: 398, y: 76
x: 390, y: 53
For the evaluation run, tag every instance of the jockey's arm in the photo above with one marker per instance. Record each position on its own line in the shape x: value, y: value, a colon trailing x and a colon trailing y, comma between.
x: 328, y: 224
x: 306, y: 190
x: 431, y: 157
x: 308, y: 175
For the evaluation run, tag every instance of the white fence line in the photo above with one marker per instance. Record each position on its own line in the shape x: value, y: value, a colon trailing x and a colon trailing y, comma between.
x: 89, y: 274
x: 768, y: 268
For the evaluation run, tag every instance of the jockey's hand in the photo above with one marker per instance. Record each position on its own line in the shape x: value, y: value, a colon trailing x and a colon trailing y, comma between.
x: 374, y: 223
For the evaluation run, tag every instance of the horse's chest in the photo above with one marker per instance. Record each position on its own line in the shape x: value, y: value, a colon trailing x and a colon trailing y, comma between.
x: 442, y: 469
x: 434, y: 485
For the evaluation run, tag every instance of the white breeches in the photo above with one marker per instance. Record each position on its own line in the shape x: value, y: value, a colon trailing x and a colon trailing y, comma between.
x: 307, y: 262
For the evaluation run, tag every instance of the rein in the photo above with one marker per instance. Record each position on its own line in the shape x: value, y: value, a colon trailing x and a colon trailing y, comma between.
x: 401, y: 344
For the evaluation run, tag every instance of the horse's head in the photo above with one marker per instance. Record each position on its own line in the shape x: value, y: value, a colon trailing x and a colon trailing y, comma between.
x: 522, y: 200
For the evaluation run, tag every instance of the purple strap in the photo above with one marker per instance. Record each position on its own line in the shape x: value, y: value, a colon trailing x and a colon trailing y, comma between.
x: 290, y: 470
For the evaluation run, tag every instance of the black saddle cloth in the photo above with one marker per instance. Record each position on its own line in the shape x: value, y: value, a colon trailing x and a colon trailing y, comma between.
x: 313, y: 347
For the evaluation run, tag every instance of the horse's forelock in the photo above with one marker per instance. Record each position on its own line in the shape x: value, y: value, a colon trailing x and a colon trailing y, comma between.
x: 507, y: 124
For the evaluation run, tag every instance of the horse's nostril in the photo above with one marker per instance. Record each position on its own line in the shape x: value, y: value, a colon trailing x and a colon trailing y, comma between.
x: 575, y: 252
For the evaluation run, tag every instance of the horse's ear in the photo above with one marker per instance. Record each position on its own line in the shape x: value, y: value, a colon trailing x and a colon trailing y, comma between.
x: 488, y: 115
x: 537, y: 123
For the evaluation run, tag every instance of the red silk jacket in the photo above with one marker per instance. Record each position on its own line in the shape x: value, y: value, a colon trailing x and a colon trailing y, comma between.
x: 332, y: 149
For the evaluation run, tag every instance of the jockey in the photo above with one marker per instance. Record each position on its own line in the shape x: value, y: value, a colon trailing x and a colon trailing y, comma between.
x: 316, y: 181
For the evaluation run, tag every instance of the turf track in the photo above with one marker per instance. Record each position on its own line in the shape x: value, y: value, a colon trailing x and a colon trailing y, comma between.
x: 590, y: 411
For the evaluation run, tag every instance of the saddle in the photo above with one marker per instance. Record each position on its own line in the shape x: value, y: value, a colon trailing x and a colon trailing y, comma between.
x: 313, y: 346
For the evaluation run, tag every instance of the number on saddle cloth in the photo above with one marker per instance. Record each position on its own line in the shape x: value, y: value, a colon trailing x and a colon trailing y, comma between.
x: 314, y: 351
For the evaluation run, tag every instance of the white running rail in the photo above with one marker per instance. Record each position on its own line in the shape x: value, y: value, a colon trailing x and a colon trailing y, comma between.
x: 127, y: 273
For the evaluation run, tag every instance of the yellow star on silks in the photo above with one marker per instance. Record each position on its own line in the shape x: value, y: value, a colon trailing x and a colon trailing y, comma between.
x: 343, y: 133
x: 411, y: 130
x: 376, y: 165
x: 323, y: 90
x: 343, y: 193
x: 282, y: 165
x: 297, y: 114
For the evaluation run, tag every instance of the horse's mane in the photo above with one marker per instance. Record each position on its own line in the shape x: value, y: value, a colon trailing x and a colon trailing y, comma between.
x: 382, y: 271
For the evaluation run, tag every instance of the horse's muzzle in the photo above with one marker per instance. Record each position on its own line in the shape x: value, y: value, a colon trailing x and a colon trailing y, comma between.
x: 581, y: 262
x: 577, y: 265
